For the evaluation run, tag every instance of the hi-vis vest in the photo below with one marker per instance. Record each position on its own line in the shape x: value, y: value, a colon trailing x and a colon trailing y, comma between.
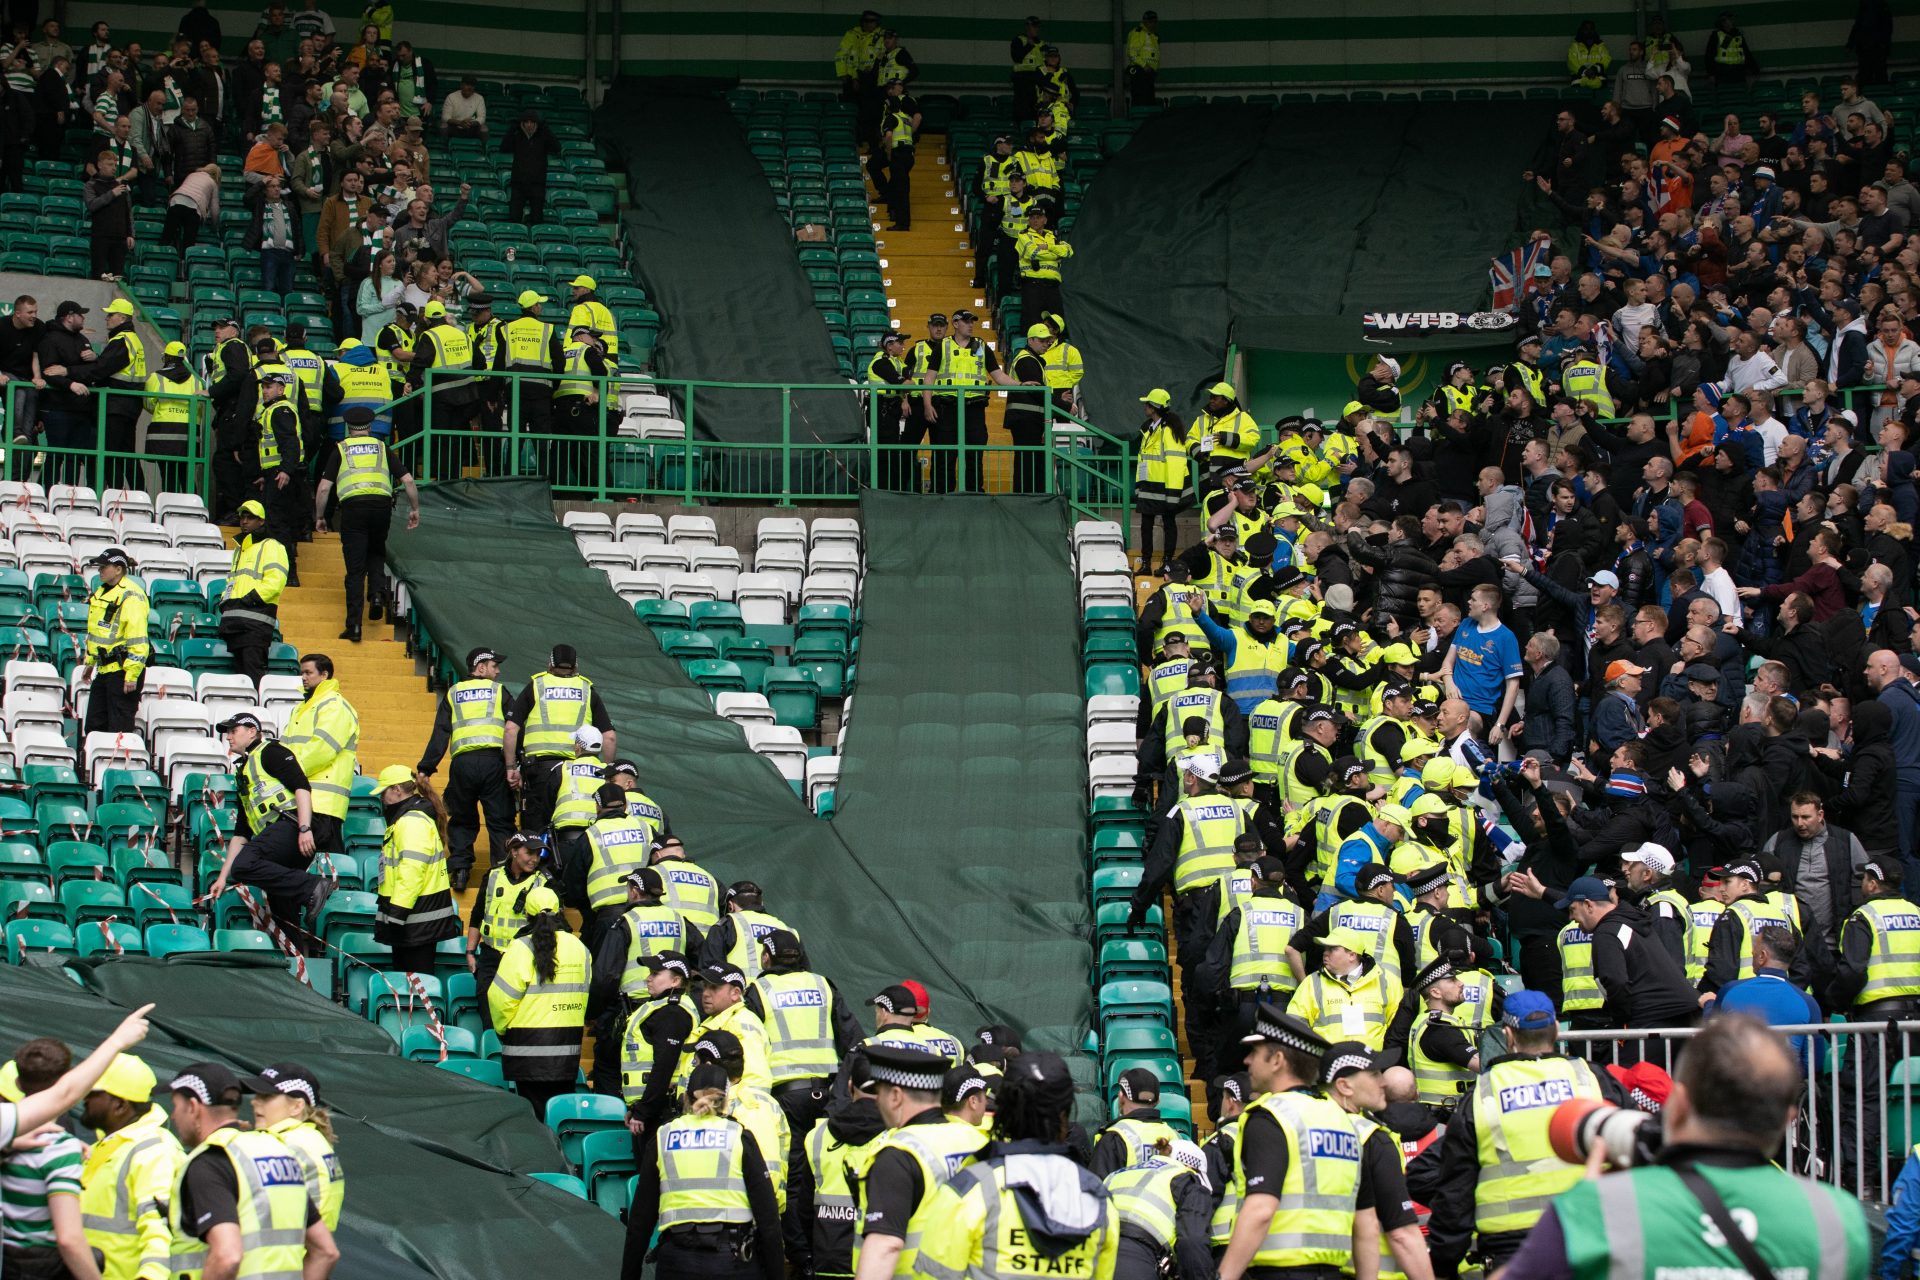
x: 1580, y: 990
x: 1587, y: 380
x: 1533, y: 378
x: 1328, y: 812
x: 579, y: 379
x: 272, y: 1205
x: 593, y: 314
x: 326, y: 718
x: 1040, y: 253
x: 1065, y: 366
x: 644, y: 807
x: 1143, y: 1197
x: 1439, y: 1084
x: 941, y: 1150
x: 477, y: 710
x: 1220, y: 1229
x: 1254, y: 673
x: 1211, y: 824
x: 900, y: 128
x: 124, y: 1194
x: 529, y: 347
x: 392, y: 335
x: 1270, y: 737
x: 1755, y: 914
x: 1202, y: 702
x: 134, y: 376
x: 618, y: 846
x: 1377, y: 920
x: 1893, y: 966
x: 692, y: 891
x: 452, y: 349
x: 1163, y: 458
x: 1732, y: 51
x: 267, y: 800
x: 1166, y: 679
x: 504, y: 913
x: 1313, y: 1225
x: 702, y: 1175
x: 560, y: 706
x: 1296, y: 791
x: 486, y: 340
x: 270, y: 459
x: 1233, y: 435
x: 963, y: 366
x: 798, y: 1012
x: 362, y: 386
x: 834, y: 1223
x: 1267, y: 925
x: 117, y: 619
x: 652, y: 928
x: 575, y: 803
x: 1380, y: 770
x: 168, y: 412
x: 1702, y: 916
x: 1513, y: 1102
x: 636, y: 1051
x: 1348, y: 1009
x: 750, y: 927
x: 310, y: 369
x: 259, y: 570
x: 326, y: 1180
x: 363, y: 469
x: 1185, y: 602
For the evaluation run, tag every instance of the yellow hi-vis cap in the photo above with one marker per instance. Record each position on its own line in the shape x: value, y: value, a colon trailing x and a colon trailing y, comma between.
x: 1157, y: 397
x: 394, y: 775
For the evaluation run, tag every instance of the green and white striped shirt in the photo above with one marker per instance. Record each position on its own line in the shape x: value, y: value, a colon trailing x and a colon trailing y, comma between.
x: 27, y: 1179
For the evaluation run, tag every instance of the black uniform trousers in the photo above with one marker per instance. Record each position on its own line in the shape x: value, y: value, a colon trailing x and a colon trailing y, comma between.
x: 453, y: 417
x: 329, y: 834
x: 112, y: 703
x: 486, y: 963
x: 539, y: 788
x: 1037, y: 297
x: 535, y: 418
x: 229, y: 474
x: 123, y: 416
x: 900, y: 186
x: 363, y: 525
x: 1192, y: 931
x: 947, y: 430
x: 1140, y: 85
x: 571, y: 856
x: 570, y: 464
x: 249, y: 642
x: 272, y: 862
x: 1029, y: 469
x: 286, y: 504
x: 477, y: 784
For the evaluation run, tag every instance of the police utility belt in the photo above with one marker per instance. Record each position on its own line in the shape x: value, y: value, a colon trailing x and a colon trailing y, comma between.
x: 736, y: 1238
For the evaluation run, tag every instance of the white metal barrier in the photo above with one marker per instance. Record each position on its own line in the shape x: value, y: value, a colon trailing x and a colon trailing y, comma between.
x: 1859, y: 1109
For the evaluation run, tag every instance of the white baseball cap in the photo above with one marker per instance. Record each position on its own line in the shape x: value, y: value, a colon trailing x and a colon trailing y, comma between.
x: 1656, y: 858
x: 1393, y: 366
x: 587, y: 736
x: 1204, y: 765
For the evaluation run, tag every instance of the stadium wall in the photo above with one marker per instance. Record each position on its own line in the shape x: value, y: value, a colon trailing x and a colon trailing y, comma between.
x: 1207, y: 44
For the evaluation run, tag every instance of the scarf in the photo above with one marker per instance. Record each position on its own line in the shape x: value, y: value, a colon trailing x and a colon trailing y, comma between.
x: 1625, y: 782
x: 124, y: 165
x: 270, y: 112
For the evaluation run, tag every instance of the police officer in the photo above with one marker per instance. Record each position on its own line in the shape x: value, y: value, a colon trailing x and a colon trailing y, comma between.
x: 890, y: 368
x: 249, y: 605
x: 736, y: 940
x: 961, y: 366
x: 576, y: 399
x: 365, y: 473
x: 899, y: 128
x: 286, y: 1104
x: 273, y: 841
x: 172, y: 419
x: 1441, y: 1050
x: 820, y: 1192
x: 1041, y: 252
x: 810, y: 1028
x: 323, y: 733
x: 1354, y: 1079
x: 1138, y: 1131
x: 692, y: 890
x: 499, y: 911
x: 122, y: 366
x: 1028, y: 51
x: 900, y: 1017
x: 1246, y: 963
x: 1163, y: 1203
x: 1876, y: 978
x: 855, y: 61
x: 240, y: 1204
x: 453, y: 395
x: 539, y: 1002
x: 983, y: 1225
x: 234, y: 392
x: 1223, y: 434
x: 1026, y: 411
x: 645, y: 927
x: 540, y: 729
x: 1227, y: 1099
x: 1730, y: 946
x: 533, y: 346
x: 1712, y: 1202
x: 314, y: 388
x: 1497, y: 1168
x: 920, y: 421
x: 709, y: 1193
x: 471, y: 723
x: 575, y: 808
x: 128, y: 1177
x: 894, y: 1197
x: 618, y: 844
x: 1065, y: 365
x: 276, y: 475
x: 723, y: 1008
x: 626, y: 775
x: 658, y: 1018
x: 117, y: 647
x: 1351, y: 993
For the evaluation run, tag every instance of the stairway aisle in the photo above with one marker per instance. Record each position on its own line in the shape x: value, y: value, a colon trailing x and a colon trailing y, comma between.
x: 930, y: 269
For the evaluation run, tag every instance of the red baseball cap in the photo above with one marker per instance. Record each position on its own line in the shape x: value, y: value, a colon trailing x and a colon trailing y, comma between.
x: 920, y: 995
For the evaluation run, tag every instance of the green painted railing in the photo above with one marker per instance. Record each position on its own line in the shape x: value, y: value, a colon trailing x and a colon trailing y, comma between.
x: 1092, y: 468
x: 96, y: 465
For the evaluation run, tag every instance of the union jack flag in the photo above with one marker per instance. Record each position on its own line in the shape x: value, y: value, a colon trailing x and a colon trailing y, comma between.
x: 1512, y: 271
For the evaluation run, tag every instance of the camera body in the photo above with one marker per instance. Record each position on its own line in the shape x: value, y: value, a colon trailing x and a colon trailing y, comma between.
x: 1629, y: 1138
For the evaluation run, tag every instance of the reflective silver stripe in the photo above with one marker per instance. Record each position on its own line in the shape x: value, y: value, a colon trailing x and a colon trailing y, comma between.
x: 514, y: 1049
x: 329, y: 788
x: 557, y: 988
x: 509, y: 988
x: 415, y: 917
x: 1308, y: 1239
x: 251, y: 616
x: 1829, y: 1231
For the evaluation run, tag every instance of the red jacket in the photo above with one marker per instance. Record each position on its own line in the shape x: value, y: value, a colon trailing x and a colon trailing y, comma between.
x: 1819, y: 582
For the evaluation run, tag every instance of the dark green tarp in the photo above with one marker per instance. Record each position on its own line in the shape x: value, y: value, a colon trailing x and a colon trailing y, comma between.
x: 969, y: 608
x: 435, y: 1162
x: 1315, y: 214
x: 717, y: 256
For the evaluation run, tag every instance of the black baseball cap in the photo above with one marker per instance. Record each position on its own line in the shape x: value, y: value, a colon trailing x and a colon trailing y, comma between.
x: 69, y: 308
x: 289, y: 1078
x: 897, y: 999
x: 477, y: 656
x: 1139, y: 1085
x: 673, y: 960
x: 715, y: 974
x: 113, y: 555
x: 563, y: 655
x: 1345, y: 1057
x: 244, y: 719
x: 936, y: 318
x: 647, y: 881
x: 213, y: 1083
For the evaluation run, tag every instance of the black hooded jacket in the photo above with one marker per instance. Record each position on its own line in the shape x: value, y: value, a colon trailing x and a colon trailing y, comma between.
x: 1861, y: 786
x: 1401, y: 569
x: 1745, y: 766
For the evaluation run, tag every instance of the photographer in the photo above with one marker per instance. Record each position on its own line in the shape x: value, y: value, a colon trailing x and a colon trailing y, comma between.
x: 1730, y: 1106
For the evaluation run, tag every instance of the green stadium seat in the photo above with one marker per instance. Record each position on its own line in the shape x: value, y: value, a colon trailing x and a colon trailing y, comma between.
x: 572, y: 1116
x: 717, y: 618
x: 245, y: 940
x: 463, y: 999
x: 606, y: 1162
x: 165, y: 940
x: 794, y: 695
x: 1101, y: 648
x: 1114, y: 884
x: 24, y: 936
x: 752, y: 655
x: 151, y: 903
x: 23, y: 862
x: 1113, y: 678
x: 419, y: 1044
x: 492, y: 1073
x: 716, y: 675
x: 1122, y: 958
x: 346, y: 911
x: 564, y: 1181
x: 70, y: 860
x: 92, y: 900
x: 834, y: 620
x: 136, y: 785
x: 116, y: 938
x: 823, y: 658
